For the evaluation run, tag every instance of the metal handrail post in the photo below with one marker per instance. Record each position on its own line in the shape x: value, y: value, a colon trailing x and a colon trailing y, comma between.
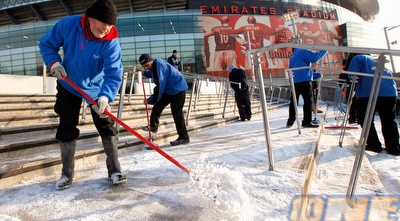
x: 272, y: 88
x: 121, y: 99
x: 190, y: 101
x: 84, y: 108
x: 220, y: 95
x: 329, y: 64
x: 131, y: 87
x: 338, y: 96
x: 265, y: 112
x: 348, y: 107
x: 226, y: 98
x: 249, y: 57
x: 224, y: 85
x: 220, y: 90
x: 44, y: 78
x: 385, y: 29
x: 289, y: 76
x: 279, y: 95
x: 150, y: 86
x: 365, y: 130
x: 198, y: 88
x: 317, y: 96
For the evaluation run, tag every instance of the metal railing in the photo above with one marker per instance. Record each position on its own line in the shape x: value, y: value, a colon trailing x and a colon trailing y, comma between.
x: 370, y: 107
x: 257, y: 68
x: 222, y: 90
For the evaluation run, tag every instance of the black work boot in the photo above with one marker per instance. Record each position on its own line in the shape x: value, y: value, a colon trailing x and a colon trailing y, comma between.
x: 180, y: 141
x: 68, y: 161
x: 112, y: 162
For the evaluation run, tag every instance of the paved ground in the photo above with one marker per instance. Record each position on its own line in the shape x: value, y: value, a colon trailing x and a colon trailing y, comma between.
x: 231, y: 163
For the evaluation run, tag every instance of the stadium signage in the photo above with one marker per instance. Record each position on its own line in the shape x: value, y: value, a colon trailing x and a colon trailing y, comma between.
x: 263, y: 10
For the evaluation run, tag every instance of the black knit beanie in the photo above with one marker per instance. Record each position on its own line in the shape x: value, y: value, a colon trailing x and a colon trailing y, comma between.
x: 103, y: 10
x: 144, y: 58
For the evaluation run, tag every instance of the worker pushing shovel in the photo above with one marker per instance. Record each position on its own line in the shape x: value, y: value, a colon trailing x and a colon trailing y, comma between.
x: 170, y: 90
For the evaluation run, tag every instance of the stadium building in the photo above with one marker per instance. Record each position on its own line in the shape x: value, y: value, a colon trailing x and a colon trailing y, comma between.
x: 209, y: 35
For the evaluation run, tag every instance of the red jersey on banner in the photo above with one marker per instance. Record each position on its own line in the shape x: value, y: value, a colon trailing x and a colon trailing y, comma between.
x: 223, y: 41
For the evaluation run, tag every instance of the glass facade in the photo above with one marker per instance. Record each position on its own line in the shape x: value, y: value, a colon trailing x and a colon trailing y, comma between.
x: 357, y: 37
x: 19, y: 54
x: 158, y: 33
x: 155, y: 33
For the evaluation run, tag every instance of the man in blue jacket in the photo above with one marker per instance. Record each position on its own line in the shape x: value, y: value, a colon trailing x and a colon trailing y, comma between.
x: 173, y: 59
x: 92, y: 60
x: 302, y: 82
x: 170, y: 89
x: 385, y: 105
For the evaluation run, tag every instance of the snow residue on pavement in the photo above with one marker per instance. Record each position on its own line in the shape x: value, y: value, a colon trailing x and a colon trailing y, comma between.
x: 230, y: 178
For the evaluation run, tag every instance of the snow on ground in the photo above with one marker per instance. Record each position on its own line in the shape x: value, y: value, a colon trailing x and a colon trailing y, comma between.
x: 230, y: 178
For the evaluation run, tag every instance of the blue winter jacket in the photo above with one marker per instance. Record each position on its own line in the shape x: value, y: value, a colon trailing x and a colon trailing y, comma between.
x: 316, y: 76
x: 366, y: 64
x: 170, y: 80
x: 94, y: 66
x: 304, y: 57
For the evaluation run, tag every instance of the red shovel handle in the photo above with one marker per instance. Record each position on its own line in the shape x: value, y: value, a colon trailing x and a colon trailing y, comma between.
x: 152, y: 145
x: 147, y: 111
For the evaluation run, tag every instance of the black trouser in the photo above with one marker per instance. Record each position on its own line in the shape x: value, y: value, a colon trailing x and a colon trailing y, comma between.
x: 68, y: 106
x: 176, y: 103
x: 386, y: 108
x: 353, y: 109
x: 242, y: 98
x: 314, y: 85
x: 305, y: 90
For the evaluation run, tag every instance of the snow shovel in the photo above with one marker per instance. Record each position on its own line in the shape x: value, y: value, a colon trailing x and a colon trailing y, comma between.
x: 135, y: 133
x: 147, y: 115
x: 340, y: 127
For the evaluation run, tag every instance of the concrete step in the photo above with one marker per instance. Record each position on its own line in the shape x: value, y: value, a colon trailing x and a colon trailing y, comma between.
x: 28, y: 146
x: 34, y: 141
x: 131, y: 117
x: 14, y: 169
x: 22, y: 106
x: 22, y: 115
